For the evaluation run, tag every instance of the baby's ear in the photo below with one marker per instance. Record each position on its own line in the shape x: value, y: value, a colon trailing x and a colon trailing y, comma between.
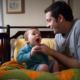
x: 26, y: 40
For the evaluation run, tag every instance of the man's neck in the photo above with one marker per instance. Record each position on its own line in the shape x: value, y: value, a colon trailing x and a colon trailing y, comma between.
x: 67, y: 27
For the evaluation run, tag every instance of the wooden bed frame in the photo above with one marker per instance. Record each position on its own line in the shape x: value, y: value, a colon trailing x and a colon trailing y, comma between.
x: 5, y: 39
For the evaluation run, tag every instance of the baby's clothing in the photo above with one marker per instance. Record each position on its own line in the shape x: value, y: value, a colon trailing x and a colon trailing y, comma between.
x: 24, y: 57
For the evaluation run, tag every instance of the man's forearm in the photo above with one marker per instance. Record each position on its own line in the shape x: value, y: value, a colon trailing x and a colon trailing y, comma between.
x: 68, y: 62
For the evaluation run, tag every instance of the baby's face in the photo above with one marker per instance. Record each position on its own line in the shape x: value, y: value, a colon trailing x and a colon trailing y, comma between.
x: 34, y: 37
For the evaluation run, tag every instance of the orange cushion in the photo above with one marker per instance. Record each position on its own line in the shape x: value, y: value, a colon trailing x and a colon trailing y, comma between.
x: 0, y: 50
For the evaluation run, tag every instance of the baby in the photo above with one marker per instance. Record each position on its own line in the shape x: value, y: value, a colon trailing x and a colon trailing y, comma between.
x: 33, y: 59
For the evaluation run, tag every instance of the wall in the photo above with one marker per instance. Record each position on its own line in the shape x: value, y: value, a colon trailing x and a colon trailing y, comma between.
x: 75, y: 5
x: 34, y: 13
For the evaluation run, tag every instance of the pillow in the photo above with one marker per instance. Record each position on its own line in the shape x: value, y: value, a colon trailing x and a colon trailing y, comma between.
x: 49, y: 42
x: 19, y: 43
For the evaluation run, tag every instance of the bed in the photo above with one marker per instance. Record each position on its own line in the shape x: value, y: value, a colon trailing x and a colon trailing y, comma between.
x: 11, y: 70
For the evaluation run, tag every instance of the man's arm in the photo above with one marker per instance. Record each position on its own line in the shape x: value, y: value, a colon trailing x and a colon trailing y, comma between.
x: 68, y: 62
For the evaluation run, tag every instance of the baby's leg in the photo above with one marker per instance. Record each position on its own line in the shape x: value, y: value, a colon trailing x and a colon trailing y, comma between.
x: 55, y: 68
x: 44, y: 67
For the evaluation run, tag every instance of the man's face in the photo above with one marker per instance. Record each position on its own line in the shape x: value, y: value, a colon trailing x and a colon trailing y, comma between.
x: 52, y: 23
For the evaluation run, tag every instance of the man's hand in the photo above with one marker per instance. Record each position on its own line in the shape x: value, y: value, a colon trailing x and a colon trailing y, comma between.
x: 44, y: 49
x: 68, y: 62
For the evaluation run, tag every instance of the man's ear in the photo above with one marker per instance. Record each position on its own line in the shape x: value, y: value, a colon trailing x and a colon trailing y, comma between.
x: 60, y: 17
x: 26, y: 40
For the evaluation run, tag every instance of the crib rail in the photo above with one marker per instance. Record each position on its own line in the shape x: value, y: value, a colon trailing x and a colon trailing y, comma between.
x: 4, y: 48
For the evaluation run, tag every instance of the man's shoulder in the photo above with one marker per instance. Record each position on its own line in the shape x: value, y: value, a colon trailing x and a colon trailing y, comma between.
x: 77, y: 21
x: 76, y: 24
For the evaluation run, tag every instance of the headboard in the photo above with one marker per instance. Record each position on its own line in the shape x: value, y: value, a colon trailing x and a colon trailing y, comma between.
x: 5, y: 39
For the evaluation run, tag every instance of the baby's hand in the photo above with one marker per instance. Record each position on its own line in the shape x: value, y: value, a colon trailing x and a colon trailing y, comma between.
x: 33, y: 51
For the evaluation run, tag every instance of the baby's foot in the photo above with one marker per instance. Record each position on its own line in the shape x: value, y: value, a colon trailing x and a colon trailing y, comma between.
x: 57, y: 72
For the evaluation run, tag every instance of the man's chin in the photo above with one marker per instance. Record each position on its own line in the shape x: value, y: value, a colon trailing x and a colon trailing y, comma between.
x: 54, y: 32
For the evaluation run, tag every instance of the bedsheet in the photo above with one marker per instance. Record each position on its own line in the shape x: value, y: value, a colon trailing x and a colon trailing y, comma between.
x: 11, y: 70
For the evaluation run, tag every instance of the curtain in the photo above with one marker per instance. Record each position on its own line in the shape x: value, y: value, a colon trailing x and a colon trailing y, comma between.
x: 1, y: 16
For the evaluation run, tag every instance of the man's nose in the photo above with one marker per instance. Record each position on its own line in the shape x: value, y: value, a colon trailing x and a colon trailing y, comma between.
x: 48, y: 25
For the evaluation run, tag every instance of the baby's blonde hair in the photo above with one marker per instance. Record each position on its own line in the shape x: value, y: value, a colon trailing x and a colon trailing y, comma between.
x: 26, y: 32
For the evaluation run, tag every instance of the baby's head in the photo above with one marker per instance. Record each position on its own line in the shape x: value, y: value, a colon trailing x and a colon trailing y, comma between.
x: 32, y: 36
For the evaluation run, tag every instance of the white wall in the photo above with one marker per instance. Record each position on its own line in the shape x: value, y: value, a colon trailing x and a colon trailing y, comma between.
x: 33, y: 15
x: 75, y: 5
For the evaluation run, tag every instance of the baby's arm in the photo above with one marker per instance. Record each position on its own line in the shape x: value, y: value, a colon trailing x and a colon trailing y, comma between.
x: 24, y: 55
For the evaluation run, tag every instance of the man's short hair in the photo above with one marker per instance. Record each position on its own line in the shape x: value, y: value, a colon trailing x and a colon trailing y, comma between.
x: 60, y: 7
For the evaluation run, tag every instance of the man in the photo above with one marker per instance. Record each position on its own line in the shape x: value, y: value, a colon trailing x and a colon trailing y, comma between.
x: 67, y: 40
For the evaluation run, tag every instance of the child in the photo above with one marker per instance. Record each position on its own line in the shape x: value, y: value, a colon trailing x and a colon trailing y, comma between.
x: 35, y: 60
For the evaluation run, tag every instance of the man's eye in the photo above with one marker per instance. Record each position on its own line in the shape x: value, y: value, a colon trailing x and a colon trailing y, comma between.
x: 48, y: 20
